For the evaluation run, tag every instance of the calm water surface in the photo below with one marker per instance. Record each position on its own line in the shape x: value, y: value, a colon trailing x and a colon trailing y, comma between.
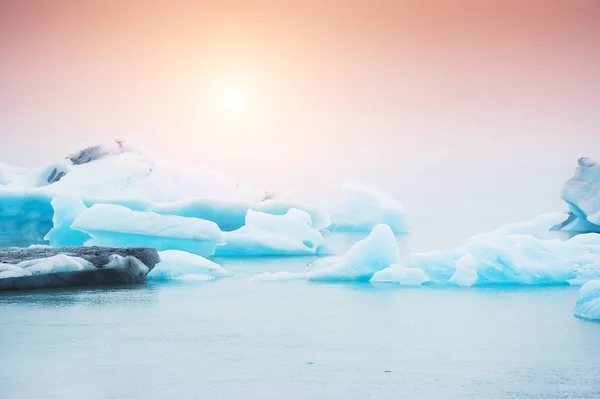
x: 235, y: 338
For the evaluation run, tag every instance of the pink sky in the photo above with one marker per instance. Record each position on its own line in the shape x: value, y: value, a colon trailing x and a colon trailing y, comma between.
x: 470, y: 101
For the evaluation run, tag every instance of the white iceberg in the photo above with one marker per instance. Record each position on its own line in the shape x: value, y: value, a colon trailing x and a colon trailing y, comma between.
x: 361, y: 208
x: 588, y: 302
x: 279, y: 235
x: 582, y: 194
x: 179, y: 265
x: 376, y: 252
x: 117, y: 226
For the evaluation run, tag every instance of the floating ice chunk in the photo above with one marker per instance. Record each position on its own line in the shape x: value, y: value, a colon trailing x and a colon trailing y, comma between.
x: 56, y: 264
x: 179, y: 265
x: 278, y: 276
x: 66, y: 209
x: 117, y: 226
x: 588, y: 302
x: 400, y: 275
x: 281, y: 235
x: 582, y: 194
x: 363, y: 207
x: 376, y: 252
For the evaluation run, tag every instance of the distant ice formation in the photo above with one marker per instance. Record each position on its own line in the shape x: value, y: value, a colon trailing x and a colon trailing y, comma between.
x: 179, y: 265
x: 588, y: 303
x: 582, y: 194
x: 361, y: 208
x: 281, y: 235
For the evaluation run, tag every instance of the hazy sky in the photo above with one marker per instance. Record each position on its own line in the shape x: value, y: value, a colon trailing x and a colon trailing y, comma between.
x: 458, y: 108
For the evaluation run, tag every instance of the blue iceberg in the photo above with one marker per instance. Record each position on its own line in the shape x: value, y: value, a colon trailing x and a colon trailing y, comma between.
x: 117, y: 226
x: 582, y: 194
x: 588, y: 302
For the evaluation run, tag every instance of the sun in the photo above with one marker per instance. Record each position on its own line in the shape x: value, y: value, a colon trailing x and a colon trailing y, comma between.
x: 233, y: 99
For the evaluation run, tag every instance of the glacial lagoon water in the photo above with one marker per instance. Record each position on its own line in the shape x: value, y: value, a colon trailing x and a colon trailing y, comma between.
x: 237, y: 338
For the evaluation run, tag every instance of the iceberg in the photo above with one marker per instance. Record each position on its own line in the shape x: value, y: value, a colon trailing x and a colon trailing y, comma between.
x: 376, y: 252
x: 275, y: 235
x: 117, y: 226
x: 514, y: 254
x: 511, y: 255
x: 42, y: 266
x: 179, y: 265
x: 588, y: 302
x: 361, y: 208
x: 582, y: 194
x: 117, y: 174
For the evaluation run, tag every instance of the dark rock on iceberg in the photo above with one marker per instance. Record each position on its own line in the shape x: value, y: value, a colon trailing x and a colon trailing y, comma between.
x: 90, y: 154
x: 100, y: 266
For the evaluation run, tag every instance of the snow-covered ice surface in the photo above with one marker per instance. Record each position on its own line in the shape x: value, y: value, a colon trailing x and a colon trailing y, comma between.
x: 179, y: 265
x: 361, y: 208
x: 582, y: 194
x: 275, y: 235
x: 588, y: 302
x: 117, y: 226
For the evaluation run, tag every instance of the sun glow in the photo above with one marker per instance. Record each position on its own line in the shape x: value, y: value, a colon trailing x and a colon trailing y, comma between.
x: 233, y: 99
